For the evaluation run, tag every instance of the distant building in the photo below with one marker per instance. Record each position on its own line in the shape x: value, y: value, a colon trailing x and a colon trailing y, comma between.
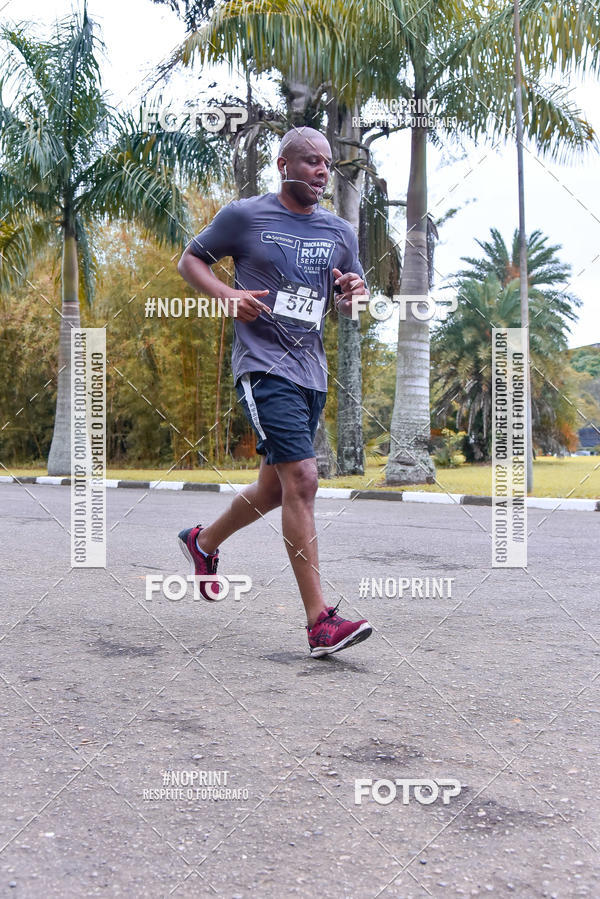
x: 588, y: 438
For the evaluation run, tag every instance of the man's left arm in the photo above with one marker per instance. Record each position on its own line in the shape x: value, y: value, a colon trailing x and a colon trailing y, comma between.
x: 350, y: 282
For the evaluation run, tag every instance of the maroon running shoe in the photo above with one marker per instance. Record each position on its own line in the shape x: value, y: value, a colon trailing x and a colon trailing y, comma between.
x: 330, y: 633
x: 201, y: 565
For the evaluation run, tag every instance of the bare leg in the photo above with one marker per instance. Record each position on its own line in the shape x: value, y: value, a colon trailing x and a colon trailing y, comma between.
x: 299, y: 485
x: 248, y: 506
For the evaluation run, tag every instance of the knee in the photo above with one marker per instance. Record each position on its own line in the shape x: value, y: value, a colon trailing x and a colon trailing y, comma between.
x: 302, y: 483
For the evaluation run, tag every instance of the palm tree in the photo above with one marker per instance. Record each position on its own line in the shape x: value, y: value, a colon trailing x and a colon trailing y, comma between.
x: 68, y: 163
x: 414, y: 51
x: 545, y: 271
x: 489, y: 296
x: 451, y: 62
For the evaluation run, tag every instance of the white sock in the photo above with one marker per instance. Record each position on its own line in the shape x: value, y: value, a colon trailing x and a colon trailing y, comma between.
x: 200, y: 550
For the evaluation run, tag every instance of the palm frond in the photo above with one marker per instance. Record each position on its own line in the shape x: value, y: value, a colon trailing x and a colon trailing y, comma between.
x: 331, y: 35
x: 557, y: 35
x: 120, y: 186
x: 138, y: 179
x: 28, y: 63
x: 193, y: 156
x: 27, y: 141
x: 80, y: 112
x: 22, y: 242
x: 483, y: 106
x: 553, y: 121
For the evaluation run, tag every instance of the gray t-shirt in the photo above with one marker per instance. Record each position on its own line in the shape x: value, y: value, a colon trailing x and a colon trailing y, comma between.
x: 269, y: 243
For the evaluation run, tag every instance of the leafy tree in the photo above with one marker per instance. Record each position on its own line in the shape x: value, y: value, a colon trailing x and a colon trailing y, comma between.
x: 586, y: 359
x: 28, y: 336
x: 170, y: 407
x: 69, y: 162
x: 488, y: 296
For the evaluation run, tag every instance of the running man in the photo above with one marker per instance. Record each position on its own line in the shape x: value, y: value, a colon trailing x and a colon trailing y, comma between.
x: 289, y: 255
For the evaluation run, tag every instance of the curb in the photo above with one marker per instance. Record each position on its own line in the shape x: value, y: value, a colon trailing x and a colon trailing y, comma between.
x: 408, y: 496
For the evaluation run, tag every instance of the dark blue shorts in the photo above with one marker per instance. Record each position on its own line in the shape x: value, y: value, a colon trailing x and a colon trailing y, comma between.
x: 284, y: 415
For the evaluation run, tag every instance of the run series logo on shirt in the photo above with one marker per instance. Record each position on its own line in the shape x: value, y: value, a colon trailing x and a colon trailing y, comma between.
x: 311, y: 255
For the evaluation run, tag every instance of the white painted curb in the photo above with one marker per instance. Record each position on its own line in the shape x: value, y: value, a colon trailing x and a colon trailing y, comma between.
x: 416, y: 496
x: 334, y: 493
x: 232, y: 488
x: 341, y: 493
x: 561, y: 505
x: 166, y: 485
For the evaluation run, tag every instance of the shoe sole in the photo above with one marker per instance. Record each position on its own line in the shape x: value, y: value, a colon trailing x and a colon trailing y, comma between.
x: 186, y: 552
x: 182, y: 538
x: 364, y: 631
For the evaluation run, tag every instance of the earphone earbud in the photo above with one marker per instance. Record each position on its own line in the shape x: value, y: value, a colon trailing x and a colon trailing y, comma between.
x: 284, y: 170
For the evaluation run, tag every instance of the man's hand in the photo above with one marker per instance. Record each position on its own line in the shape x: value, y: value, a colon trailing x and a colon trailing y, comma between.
x: 351, y: 285
x: 248, y: 306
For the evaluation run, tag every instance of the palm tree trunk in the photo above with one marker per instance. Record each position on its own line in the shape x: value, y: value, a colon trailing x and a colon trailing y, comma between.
x: 523, y: 281
x: 245, y: 156
x: 59, y: 458
x: 347, y: 193
x: 323, y: 451
x: 218, y: 422
x: 409, y: 461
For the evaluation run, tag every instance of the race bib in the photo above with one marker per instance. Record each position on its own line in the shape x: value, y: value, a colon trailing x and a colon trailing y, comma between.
x: 298, y: 304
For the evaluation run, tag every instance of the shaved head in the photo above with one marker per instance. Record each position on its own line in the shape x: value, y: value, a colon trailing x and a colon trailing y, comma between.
x: 298, y: 139
x: 304, y: 164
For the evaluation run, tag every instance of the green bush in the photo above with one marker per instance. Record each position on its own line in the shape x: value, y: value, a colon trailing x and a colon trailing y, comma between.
x: 448, y: 449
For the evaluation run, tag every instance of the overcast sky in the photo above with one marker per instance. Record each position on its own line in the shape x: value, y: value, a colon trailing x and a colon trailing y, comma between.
x: 561, y: 200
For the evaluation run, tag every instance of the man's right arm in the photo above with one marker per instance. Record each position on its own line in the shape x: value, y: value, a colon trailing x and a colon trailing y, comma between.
x: 201, y: 277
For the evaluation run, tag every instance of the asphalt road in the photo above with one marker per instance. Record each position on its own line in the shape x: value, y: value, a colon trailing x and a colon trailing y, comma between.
x: 109, y: 697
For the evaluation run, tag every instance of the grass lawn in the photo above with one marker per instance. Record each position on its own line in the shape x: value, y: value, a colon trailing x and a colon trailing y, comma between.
x: 576, y: 476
